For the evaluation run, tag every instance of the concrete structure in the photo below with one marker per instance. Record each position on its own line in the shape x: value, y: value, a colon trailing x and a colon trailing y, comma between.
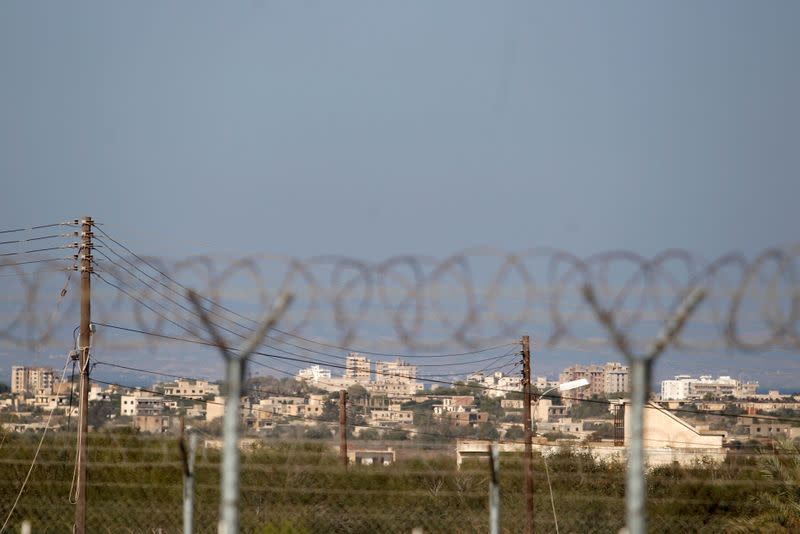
x: 30, y: 379
x: 667, y: 439
x: 615, y: 377
x: 663, y: 429
x: 394, y: 415
x: 398, y: 369
x: 684, y: 387
x: 313, y: 374
x: 607, y: 379
x: 216, y: 409
x: 154, y: 424
x: 141, y: 403
x: 357, y: 368
x: 498, y: 384
x: 56, y: 395
x: 190, y: 389
x: 595, y: 374
x: 371, y: 457
x: 769, y: 429
x: 311, y: 407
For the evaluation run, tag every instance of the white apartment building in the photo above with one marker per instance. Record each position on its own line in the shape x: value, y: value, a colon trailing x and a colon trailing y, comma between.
x: 314, y: 374
x: 497, y: 384
x: 141, y: 403
x: 684, y: 387
x: 30, y: 379
x: 190, y: 389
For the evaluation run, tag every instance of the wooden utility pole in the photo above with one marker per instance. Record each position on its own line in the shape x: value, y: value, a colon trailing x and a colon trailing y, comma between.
x: 526, y: 386
x: 343, y: 426
x: 85, y: 268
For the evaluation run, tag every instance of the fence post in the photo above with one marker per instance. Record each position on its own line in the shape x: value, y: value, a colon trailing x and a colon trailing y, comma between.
x: 235, y: 361
x: 636, y: 489
x: 494, y: 489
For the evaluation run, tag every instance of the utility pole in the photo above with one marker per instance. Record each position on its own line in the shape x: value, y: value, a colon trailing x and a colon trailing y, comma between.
x: 343, y: 426
x: 85, y: 258
x: 526, y: 387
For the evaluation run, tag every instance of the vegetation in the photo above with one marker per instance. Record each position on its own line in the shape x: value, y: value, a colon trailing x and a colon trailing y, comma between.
x: 135, y: 486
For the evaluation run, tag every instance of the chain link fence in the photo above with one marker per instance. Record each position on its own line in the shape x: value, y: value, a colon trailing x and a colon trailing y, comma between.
x: 135, y: 486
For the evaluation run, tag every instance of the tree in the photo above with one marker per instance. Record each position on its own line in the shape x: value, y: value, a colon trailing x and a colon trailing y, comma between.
x: 779, y: 506
x: 4, y: 387
x: 515, y: 432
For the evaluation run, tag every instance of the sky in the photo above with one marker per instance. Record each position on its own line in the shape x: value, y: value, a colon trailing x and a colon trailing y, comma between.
x: 373, y: 129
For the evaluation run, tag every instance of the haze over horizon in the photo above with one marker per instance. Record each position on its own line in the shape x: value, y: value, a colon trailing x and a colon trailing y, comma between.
x: 380, y: 129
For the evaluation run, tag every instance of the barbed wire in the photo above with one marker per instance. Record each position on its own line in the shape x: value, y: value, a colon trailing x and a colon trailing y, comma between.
x: 425, y: 304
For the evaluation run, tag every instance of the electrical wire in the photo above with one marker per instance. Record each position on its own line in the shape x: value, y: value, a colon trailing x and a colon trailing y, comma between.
x: 35, y: 455
x: 308, y: 340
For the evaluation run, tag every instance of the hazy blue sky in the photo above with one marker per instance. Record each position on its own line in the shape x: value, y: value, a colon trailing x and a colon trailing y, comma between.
x: 379, y: 128
x: 376, y: 128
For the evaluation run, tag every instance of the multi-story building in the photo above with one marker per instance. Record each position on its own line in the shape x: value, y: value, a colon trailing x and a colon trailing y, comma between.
x: 497, y: 384
x: 684, y: 387
x: 398, y: 369
x: 190, y: 389
x: 30, y: 379
x: 313, y: 374
x: 141, y: 403
x: 357, y: 367
x: 615, y: 378
x: 394, y: 415
x: 595, y: 374
x: 606, y: 379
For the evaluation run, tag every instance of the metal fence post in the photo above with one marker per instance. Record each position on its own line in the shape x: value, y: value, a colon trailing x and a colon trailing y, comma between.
x: 235, y: 361
x: 188, y: 484
x: 636, y: 490
x: 494, y: 489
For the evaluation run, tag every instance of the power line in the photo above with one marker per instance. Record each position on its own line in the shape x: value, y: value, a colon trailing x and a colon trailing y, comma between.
x: 39, y: 227
x: 308, y: 340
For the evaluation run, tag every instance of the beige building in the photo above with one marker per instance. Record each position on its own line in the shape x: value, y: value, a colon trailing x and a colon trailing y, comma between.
x: 664, y: 430
x: 141, y: 403
x: 190, y: 389
x: 393, y: 415
x: 607, y: 379
x: 357, y: 367
x: 30, y: 379
x: 398, y: 369
x: 155, y: 424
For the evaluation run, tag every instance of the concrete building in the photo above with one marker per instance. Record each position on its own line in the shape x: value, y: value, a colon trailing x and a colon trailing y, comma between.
x: 616, y: 378
x: 497, y: 384
x: 394, y: 415
x: 684, y: 387
x: 30, y: 379
x: 313, y: 374
x: 595, y: 374
x: 668, y: 440
x: 216, y: 409
x: 154, y: 424
x: 141, y: 403
x: 190, y: 389
x: 607, y: 379
x: 357, y: 367
x: 398, y: 369
x: 371, y: 457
